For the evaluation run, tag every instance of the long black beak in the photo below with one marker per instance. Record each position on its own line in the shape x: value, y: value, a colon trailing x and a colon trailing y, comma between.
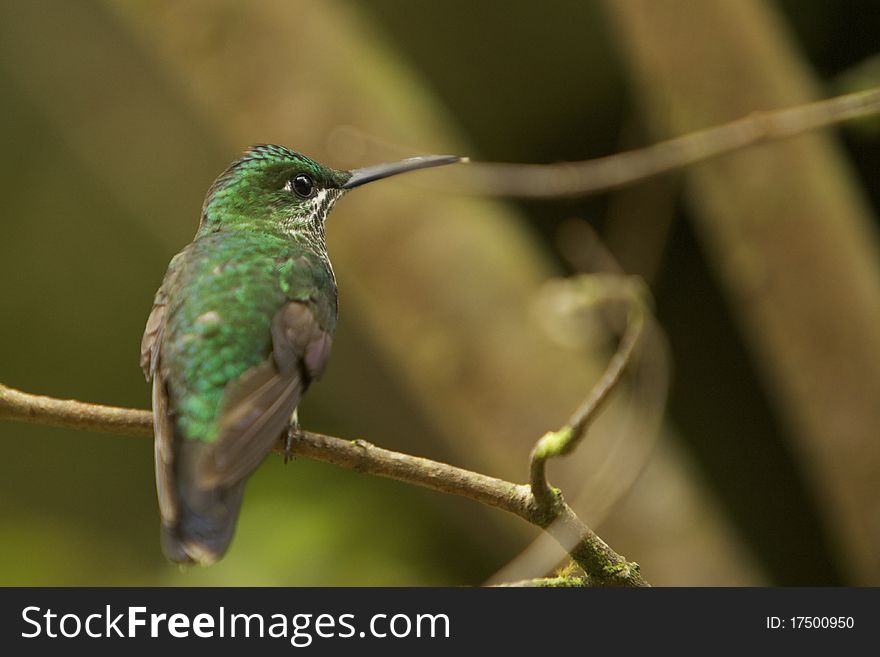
x: 379, y: 171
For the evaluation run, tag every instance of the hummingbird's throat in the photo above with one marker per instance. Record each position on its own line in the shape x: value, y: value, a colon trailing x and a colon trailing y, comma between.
x: 310, y: 217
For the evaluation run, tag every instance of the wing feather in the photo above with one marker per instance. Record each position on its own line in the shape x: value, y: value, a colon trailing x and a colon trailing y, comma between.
x: 164, y: 453
x: 258, y: 406
x: 152, y: 339
x: 256, y: 412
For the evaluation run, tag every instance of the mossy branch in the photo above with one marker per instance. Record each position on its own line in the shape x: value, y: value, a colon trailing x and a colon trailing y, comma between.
x: 559, y: 582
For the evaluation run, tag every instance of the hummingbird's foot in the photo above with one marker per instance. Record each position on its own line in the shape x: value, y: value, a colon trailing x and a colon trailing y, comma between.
x: 292, y: 431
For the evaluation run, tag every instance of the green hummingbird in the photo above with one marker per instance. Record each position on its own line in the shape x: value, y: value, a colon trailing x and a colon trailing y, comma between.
x: 240, y: 327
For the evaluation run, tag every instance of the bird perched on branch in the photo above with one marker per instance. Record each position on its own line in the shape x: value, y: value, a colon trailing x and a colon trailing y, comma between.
x: 241, y: 326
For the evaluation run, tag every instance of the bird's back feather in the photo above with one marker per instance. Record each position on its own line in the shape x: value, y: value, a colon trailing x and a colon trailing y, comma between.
x: 241, y: 326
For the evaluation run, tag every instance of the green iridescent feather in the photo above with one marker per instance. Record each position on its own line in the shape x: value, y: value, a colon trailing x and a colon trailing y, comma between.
x: 235, y: 283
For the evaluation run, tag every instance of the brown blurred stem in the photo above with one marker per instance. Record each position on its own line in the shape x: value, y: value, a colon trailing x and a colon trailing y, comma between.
x: 604, y: 173
x: 603, y: 566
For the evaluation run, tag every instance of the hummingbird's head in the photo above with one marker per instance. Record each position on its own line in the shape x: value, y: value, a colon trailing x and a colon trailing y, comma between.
x: 273, y: 186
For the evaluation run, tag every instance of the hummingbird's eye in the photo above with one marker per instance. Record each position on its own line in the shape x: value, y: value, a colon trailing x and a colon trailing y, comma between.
x: 302, y: 185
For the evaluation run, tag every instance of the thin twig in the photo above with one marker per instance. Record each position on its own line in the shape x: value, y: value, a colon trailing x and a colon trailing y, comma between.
x: 630, y: 290
x: 605, y: 173
x: 603, y: 566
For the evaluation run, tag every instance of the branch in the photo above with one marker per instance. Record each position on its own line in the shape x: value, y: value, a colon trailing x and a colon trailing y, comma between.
x: 605, y: 173
x: 603, y: 566
x: 547, y: 583
x: 69, y: 413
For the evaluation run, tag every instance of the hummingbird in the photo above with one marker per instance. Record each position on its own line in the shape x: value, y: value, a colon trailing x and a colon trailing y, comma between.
x: 241, y: 326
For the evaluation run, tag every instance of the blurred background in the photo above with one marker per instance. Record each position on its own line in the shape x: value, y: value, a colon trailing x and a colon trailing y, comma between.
x: 457, y: 340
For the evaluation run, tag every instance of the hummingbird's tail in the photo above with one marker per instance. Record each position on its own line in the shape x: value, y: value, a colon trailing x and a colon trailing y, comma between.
x: 205, y: 519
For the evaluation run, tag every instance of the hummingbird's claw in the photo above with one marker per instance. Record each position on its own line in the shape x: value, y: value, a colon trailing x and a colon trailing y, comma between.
x: 292, y: 431
x: 288, y: 444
